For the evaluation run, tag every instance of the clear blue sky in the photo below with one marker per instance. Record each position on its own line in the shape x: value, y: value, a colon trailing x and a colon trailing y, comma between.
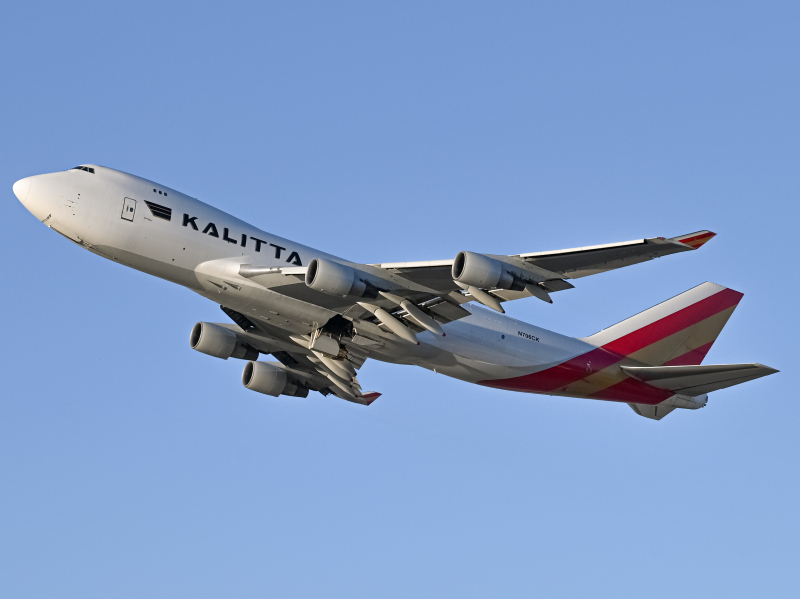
x: 131, y: 466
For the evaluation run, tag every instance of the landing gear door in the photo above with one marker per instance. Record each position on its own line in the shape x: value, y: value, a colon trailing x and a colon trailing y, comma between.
x: 128, y: 209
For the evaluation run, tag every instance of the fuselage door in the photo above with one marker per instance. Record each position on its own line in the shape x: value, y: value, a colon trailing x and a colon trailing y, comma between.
x: 128, y: 209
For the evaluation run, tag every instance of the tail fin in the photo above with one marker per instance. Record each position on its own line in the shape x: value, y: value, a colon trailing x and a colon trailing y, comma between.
x: 677, y: 332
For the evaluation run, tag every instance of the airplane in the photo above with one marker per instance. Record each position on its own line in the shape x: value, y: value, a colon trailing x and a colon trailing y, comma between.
x: 320, y: 317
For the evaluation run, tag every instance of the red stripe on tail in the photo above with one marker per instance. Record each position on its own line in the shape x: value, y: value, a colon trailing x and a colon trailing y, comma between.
x: 691, y: 357
x: 677, y: 321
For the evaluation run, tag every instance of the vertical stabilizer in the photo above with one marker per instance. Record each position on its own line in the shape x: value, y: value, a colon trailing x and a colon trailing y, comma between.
x: 677, y: 332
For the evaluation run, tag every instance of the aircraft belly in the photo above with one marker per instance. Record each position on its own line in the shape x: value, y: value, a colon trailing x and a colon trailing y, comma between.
x: 163, y: 270
x: 472, y: 371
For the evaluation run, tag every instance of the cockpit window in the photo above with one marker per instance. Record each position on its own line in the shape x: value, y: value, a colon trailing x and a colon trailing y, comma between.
x: 88, y: 169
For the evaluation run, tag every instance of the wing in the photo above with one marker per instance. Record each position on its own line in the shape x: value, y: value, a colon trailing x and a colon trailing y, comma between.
x: 550, y: 271
x: 582, y: 262
x: 307, y: 359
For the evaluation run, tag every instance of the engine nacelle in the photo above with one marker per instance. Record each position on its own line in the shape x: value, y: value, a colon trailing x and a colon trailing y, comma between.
x: 477, y: 270
x: 271, y: 380
x: 334, y: 278
x: 217, y: 341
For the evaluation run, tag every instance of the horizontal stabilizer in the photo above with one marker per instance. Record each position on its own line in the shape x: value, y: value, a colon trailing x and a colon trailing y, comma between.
x: 696, y: 380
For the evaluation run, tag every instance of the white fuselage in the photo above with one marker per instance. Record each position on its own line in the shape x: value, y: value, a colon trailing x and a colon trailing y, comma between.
x: 202, y: 248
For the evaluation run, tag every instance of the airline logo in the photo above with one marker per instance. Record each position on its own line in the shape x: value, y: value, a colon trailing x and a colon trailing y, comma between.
x: 211, y: 230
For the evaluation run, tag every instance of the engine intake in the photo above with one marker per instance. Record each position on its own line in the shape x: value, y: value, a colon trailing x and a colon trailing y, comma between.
x: 217, y: 341
x: 334, y: 278
x: 270, y: 379
x: 477, y: 270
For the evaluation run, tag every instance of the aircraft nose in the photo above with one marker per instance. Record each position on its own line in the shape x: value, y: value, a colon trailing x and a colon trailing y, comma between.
x: 41, y: 195
x: 22, y: 188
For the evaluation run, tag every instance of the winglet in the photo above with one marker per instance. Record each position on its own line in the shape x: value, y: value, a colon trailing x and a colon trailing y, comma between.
x: 694, y: 240
x: 369, y: 397
x: 363, y: 399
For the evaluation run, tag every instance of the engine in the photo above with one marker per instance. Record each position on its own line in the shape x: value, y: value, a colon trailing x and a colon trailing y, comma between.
x: 483, y: 272
x: 270, y: 379
x: 334, y: 278
x: 217, y: 341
